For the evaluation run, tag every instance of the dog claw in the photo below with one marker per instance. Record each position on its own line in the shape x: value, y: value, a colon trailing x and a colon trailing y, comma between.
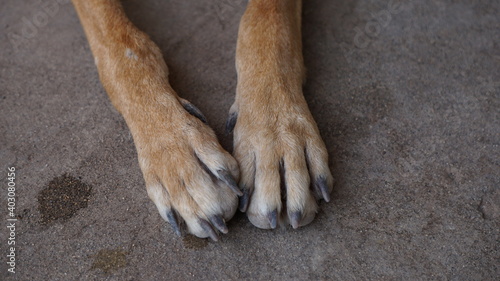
x: 219, y: 223
x: 193, y: 110
x: 209, y: 230
x: 273, y: 218
x: 322, y: 187
x: 244, y: 199
x: 231, y: 122
x: 295, y: 218
x: 172, y: 220
x: 228, y: 179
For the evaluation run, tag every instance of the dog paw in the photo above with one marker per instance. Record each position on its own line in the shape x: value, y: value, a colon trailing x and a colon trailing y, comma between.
x: 283, y: 160
x: 191, y: 179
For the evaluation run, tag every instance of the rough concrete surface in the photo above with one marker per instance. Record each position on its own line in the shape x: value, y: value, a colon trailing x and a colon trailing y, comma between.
x: 406, y: 96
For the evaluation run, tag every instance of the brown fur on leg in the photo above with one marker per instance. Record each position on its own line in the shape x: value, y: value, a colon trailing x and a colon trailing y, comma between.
x: 274, y: 124
x: 178, y: 153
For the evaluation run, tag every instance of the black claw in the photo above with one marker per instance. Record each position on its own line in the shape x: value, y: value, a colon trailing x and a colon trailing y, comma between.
x: 219, y: 223
x: 228, y: 179
x: 208, y: 229
x: 231, y: 122
x: 295, y: 219
x: 172, y: 220
x: 244, y: 199
x: 322, y: 187
x: 203, y: 166
x: 273, y: 218
x: 193, y: 110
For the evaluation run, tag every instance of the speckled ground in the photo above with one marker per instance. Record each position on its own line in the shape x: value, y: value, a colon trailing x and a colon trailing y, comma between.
x: 406, y: 96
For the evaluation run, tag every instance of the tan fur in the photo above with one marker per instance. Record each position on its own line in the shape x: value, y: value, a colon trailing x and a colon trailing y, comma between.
x: 274, y: 123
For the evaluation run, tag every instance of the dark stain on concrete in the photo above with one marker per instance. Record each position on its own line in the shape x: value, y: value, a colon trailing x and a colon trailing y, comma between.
x: 109, y: 260
x: 62, y: 198
x: 194, y: 243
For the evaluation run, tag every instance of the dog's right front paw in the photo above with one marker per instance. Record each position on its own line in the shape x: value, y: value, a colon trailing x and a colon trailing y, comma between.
x: 188, y: 175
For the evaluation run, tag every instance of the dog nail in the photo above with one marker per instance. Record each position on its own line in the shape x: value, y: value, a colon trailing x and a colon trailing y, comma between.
x: 193, y: 110
x: 322, y: 187
x: 209, y: 230
x: 228, y: 179
x: 219, y: 223
x: 231, y: 122
x: 273, y: 218
x: 295, y: 218
x: 244, y: 199
x: 172, y: 220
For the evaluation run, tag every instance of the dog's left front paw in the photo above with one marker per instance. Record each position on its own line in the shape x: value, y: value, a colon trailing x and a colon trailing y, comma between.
x: 283, y: 160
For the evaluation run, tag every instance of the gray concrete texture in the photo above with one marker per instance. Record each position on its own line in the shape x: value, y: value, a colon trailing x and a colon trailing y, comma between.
x: 406, y: 96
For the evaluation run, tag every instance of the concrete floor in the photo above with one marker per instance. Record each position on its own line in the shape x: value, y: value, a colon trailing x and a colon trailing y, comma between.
x: 406, y: 97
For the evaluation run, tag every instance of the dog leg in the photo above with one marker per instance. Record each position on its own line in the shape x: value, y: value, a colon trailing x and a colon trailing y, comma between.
x: 188, y: 174
x: 283, y: 160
